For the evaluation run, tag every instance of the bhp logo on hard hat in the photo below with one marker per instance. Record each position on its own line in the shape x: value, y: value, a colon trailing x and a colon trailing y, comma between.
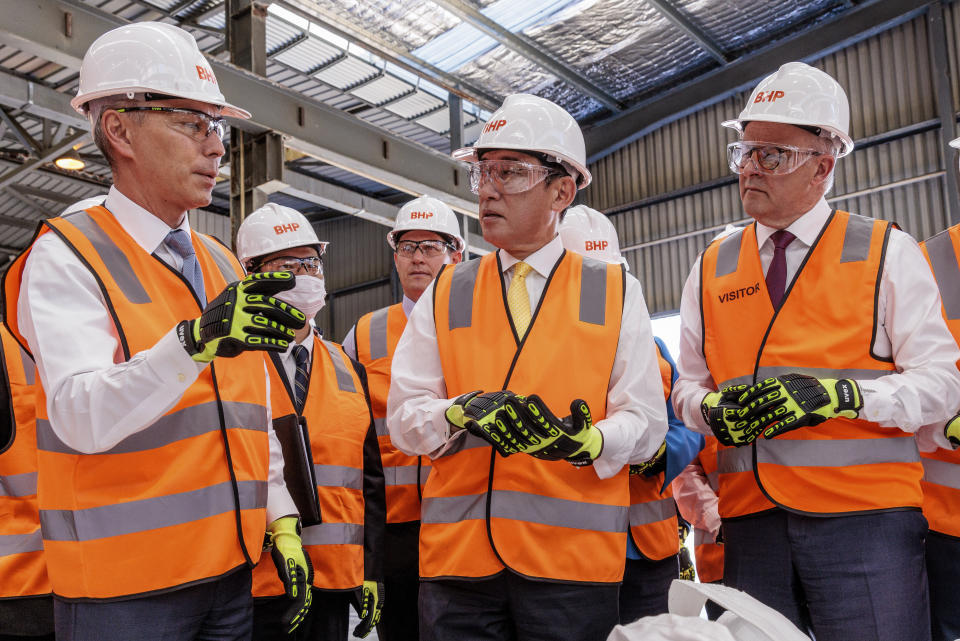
x: 205, y: 74
x: 768, y: 96
x: 422, y: 215
x: 283, y: 229
x: 595, y: 245
x: 494, y: 125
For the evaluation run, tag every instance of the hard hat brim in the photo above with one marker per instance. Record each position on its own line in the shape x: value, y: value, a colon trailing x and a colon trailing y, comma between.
x: 846, y: 142
x: 469, y: 154
x: 227, y: 109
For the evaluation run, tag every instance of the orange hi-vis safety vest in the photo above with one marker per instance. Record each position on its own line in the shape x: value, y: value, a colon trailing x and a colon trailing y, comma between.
x: 338, y: 418
x: 941, y: 468
x: 706, y: 550
x: 22, y: 566
x: 842, y: 465
x: 117, y: 523
x: 653, y: 515
x: 377, y: 336
x: 541, y: 519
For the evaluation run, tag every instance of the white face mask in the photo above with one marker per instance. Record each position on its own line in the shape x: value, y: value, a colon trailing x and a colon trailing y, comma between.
x: 308, y: 295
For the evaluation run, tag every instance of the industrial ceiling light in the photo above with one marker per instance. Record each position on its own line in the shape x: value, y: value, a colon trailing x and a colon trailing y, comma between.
x: 70, y: 161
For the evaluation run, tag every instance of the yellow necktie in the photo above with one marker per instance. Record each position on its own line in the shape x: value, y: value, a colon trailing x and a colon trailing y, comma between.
x: 518, y: 300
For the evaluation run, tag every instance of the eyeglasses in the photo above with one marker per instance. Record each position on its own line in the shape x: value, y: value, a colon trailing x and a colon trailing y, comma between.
x: 196, y: 124
x: 508, y: 176
x: 429, y: 248
x: 768, y: 157
x: 312, y: 265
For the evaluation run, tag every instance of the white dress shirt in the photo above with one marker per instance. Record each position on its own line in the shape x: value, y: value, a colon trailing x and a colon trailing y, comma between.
x: 289, y: 362
x: 926, y: 384
x: 635, y: 424
x: 350, y: 341
x: 94, y: 399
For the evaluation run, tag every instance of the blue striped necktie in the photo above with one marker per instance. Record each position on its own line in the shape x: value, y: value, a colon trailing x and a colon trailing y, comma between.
x: 301, y: 379
x: 179, y: 241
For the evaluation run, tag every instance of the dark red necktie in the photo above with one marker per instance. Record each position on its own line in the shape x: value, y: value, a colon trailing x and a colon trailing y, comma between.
x: 777, y: 272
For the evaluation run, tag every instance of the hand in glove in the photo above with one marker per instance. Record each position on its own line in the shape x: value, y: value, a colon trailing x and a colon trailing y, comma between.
x: 778, y: 405
x: 688, y: 572
x: 371, y: 604
x: 654, y: 465
x: 494, y: 417
x: 293, y: 567
x: 723, y: 413
x: 245, y: 316
x: 952, y: 431
x: 574, y: 439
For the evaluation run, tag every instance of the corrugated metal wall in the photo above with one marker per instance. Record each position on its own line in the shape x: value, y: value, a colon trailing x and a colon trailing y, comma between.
x: 648, y: 183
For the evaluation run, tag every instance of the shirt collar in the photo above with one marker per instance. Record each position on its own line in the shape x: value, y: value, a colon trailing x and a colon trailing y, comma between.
x: 806, y: 228
x: 408, y: 304
x: 146, y: 229
x: 307, y: 342
x: 541, y: 260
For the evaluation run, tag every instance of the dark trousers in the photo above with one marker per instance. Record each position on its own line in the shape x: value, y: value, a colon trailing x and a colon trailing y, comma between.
x: 508, y: 607
x: 28, y: 618
x: 645, y: 587
x: 943, y: 570
x: 328, y: 619
x: 846, y: 578
x: 218, y: 610
x: 399, y: 618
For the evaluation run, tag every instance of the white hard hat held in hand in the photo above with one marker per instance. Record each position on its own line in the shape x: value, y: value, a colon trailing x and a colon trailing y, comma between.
x: 798, y: 94
x: 273, y: 228
x: 152, y: 58
x: 589, y: 232
x: 532, y: 124
x: 427, y: 214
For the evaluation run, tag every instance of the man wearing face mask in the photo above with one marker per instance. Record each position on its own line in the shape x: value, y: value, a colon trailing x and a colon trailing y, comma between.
x: 315, y: 383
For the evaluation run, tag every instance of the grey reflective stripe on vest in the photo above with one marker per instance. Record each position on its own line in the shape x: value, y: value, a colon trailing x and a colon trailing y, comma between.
x: 653, y: 511
x: 734, y: 459
x: 150, y: 514
x: 941, y: 473
x: 380, y: 425
x: 943, y: 259
x: 424, y: 471
x: 338, y: 476
x: 817, y: 372
x: 530, y: 508
x: 838, y: 452
x: 220, y: 257
x: 856, y: 239
x: 461, y: 293
x: 344, y: 380
x: 182, y: 424
x: 728, y: 254
x: 400, y: 475
x: 29, y: 369
x: 466, y: 442
x: 713, y: 480
x: 20, y: 543
x: 333, y: 534
x: 378, y: 333
x: 701, y: 537
x: 19, y: 484
x: 111, y: 255
x: 593, y: 291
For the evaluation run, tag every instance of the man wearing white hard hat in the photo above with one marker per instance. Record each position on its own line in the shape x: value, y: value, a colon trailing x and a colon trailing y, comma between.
x: 320, y: 395
x: 425, y: 237
x: 159, y: 470
x: 813, y: 348
x: 525, y: 514
x: 941, y: 458
x: 653, y: 547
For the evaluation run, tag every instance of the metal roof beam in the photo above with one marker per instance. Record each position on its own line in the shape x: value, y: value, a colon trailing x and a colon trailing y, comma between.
x: 686, y: 25
x: 866, y: 19
x: 25, y: 139
x: 45, y: 156
x: 23, y: 223
x: 530, y: 50
x: 310, y: 127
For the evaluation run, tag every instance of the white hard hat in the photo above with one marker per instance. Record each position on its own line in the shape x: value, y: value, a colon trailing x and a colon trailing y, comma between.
x: 798, y: 94
x: 590, y: 233
x: 272, y: 228
x: 149, y: 57
x: 532, y: 124
x: 427, y: 214
x: 955, y: 143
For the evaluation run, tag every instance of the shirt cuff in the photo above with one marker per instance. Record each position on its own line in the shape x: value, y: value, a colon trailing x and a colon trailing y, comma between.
x: 171, y: 363
x: 614, y: 454
x: 279, y: 503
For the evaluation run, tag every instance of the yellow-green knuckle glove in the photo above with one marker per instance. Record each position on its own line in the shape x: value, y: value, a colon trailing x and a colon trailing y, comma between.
x: 574, y: 439
x: 493, y: 416
x: 293, y: 568
x: 952, y: 431
x: 654, y: 465
x: 244, y: 316
x: 371, y: 605
x: 791, y: 401
x: 724, y: 415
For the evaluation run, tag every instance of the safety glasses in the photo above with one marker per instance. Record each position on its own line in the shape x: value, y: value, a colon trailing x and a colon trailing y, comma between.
x: 508, y: 176
x: 429, y: 248
x: 767, y: 157
x: 312, y: 265
x: 196, y: 124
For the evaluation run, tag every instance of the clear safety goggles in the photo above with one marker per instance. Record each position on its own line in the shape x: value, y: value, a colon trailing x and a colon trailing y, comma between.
x: 195, y: 124
x: 767, y: 157
x: 429, y: 248
x: 508, y: 176
x: 312, y: 265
